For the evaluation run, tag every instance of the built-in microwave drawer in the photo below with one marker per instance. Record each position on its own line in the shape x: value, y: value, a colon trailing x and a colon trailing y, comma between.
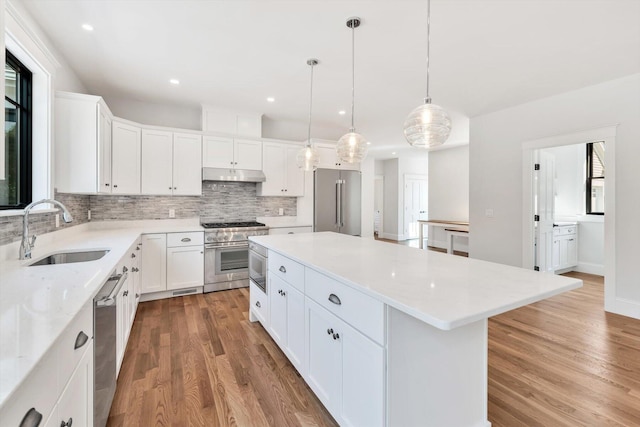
x: 185, y: 239
x: 288, y: 270
x: 359, y: 310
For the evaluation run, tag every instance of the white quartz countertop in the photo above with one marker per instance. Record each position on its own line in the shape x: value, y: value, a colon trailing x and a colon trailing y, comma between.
x: 37, y: 303
x: 445, y: 291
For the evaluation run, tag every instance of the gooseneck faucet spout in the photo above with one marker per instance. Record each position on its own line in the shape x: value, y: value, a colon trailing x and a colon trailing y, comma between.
x: 27, y: 243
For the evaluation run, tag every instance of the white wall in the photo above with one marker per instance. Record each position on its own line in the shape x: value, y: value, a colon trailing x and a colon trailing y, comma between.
x: 496, y: 173
x: 448, y: 192
x: 165, y: 114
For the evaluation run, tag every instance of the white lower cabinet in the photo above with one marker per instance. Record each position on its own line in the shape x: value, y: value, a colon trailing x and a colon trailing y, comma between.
x: 75, y: 406
x: 287, y: 319
x: 123, y: 308
x: 185, y: 267
x: 346, y: 369
x: 154, y: 263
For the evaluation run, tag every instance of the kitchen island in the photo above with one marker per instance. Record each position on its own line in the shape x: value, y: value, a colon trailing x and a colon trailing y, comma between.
x: 406, y: 330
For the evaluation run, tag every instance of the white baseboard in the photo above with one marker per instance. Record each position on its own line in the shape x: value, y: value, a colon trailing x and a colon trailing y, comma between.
x: 390, y: 236
x: 590, y: 268
x: 625, y: 307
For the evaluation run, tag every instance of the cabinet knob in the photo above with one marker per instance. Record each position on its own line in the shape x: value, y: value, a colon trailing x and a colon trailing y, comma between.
x: 258, y: 304
x: 67, y: 424
x: 282, y: 269
x: 175, y: 188
x: 106, y: 185
x: 115, y: 186
x: 31, y: 419
x: 285, y: 189
x: 81, y: 340
x: 169, y: 188
x: 284, y: 294
x: 137, y: 248
x: 336, y: 336
x: 329, y: 331
x: 133, y: 255
x: 125, y: 293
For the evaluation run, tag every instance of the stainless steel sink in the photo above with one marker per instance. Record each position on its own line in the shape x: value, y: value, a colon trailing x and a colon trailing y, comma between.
x: 69, y: 257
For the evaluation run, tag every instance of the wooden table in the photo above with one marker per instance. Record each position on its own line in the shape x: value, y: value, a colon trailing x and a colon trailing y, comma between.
x: 452, y: 225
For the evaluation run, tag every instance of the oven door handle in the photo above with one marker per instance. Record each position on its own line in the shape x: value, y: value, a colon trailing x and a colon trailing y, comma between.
x: 233, y: 246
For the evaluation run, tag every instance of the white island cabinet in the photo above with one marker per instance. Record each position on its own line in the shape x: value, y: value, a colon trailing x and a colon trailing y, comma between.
x: 393, y: 336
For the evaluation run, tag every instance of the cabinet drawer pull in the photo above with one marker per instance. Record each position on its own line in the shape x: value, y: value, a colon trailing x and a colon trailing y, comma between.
x: 31, y: 419
x: 334, y: 299
x: 282, y: 269
x: 329, y: 331
x: 81, y: 340
x: 336, y: 336
x: 258, y: 304
x: 67, y: 424
x: 133, y: 255
x: 185, y: 239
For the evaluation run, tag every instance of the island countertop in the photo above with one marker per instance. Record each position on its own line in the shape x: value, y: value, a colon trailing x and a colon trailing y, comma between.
x: 442, y: 290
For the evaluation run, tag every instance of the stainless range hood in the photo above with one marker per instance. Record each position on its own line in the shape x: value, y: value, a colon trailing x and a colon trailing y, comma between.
x: 239, y: 175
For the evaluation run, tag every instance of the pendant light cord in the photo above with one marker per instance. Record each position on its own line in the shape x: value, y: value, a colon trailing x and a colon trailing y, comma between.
x: 310, y: 106
x: 353, y: 74
x: 427, y: 100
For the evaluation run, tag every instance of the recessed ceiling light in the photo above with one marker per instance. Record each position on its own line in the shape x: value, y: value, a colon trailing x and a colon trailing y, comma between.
x: 342, y: 112
x: 174, y: 81
x: 368, y: 142
x: 87, y: 27
x: 393, y: 152
x: 271, y: 99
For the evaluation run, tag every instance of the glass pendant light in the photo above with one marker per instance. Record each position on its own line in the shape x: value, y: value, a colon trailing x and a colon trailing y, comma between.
x: 308, y: 158
x: 428, y: 125
x: 352, y: 147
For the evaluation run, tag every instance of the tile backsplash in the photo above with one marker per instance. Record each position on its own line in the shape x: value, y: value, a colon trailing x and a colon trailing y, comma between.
x: 220, y: 201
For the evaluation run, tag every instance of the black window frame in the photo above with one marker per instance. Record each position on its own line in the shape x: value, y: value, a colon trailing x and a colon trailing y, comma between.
x: 24, y: 106
x: 590, y: 178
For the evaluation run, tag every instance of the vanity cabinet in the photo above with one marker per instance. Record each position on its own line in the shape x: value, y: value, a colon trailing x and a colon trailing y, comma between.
x: 328, y: 158
x: 125, y: 158
x: 565, y: 246
x: 83, y: 144
x: 171, y: 163
x: 283, y: 176
x: 231, y: 153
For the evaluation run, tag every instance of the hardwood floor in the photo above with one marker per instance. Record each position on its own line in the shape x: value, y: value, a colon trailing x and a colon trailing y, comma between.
x: 565, y: 362
x: 198, y: 361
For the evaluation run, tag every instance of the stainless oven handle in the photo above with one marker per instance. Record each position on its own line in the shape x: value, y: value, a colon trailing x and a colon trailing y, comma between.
x: 233, y: 246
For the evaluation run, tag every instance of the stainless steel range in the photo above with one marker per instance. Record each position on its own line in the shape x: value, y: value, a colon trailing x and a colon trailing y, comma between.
x: 226, y: 253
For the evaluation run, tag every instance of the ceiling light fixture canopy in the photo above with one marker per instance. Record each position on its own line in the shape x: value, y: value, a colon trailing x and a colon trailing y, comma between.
x: 308, y: 157
x: 352, y: 147
x: 428, y: 125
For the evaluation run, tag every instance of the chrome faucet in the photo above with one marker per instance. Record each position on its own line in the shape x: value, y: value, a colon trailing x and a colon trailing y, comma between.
x: 27, y: 243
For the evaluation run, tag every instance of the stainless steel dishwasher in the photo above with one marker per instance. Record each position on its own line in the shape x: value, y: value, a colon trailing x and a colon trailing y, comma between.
x: 104, y: 355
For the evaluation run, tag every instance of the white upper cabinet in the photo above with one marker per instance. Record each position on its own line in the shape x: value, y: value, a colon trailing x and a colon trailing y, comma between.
x: 187, y: 164
x: 171, y: 163
x: 220, y: 152
x: 83, y: 144
x: 125, y: 160
x: 329, y: 158
x: 230, y: 122
x: 157, y: 162
x: 283, y: 176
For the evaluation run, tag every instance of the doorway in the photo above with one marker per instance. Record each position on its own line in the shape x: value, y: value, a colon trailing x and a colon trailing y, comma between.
x: 531, y: 201
x: 378, y: 205
x: 415, y: 204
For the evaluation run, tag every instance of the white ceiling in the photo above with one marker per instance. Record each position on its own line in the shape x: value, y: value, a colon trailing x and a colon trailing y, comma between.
x: 485, y: 54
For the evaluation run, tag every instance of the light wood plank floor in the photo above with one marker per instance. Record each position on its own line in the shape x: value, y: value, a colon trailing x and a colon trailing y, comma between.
x: 198, y: 361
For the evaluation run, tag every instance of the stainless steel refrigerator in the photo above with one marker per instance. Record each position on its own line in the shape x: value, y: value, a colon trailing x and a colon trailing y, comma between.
x: 337, y: 201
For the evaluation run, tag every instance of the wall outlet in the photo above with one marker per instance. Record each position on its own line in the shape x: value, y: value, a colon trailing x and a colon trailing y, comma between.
x: 488, y: 213
x: 57, y: 220
x: 280, y: 211
x: 89, y: 214
x: 172, y: 213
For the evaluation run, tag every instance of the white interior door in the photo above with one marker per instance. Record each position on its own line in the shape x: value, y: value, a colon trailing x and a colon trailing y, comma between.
x: 378, y: 205
x: 415, y: 205
x: 544, y: 195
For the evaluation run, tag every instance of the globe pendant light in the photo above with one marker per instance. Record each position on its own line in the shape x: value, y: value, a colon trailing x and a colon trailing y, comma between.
x: 428, y: 125
x: 308, y: 158
x: 352, y: 147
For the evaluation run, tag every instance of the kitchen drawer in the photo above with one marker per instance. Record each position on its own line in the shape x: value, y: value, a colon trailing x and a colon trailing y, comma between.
x: 79, y: 333
x: 290, y: 230
x: 259, y: 303
x: 185, y: 239
x: 565, y: 230
x: 359, y: 310
x: 288, y: 270
x: 39, y: 391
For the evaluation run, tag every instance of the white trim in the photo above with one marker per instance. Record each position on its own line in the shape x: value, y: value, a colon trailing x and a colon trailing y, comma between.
x: 608, y: 135
x: 11, y: 10
x: 590, y: 268
x: 624, y: 307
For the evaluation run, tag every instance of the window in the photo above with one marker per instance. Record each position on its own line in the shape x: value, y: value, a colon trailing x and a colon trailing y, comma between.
x: 595, y: 178
x: 15, y: 181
